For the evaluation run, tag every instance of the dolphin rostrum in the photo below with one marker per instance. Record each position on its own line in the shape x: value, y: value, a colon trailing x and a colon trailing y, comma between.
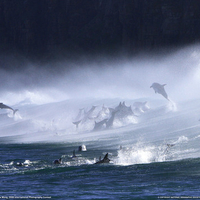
x: 158, y: 88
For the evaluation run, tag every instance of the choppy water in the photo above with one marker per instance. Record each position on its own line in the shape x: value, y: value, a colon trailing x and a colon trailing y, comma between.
x: 143, y: 168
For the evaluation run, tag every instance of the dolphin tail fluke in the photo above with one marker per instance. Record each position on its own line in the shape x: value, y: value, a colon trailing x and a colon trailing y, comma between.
x: 14, y: 111
x: 77, y: 123
x: 169, y: 100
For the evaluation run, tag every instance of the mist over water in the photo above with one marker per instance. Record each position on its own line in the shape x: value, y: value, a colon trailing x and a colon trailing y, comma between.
x: 49, y: 100
x: 103, y: 78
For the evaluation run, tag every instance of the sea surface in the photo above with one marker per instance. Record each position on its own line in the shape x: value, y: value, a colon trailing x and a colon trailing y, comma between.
x: 155, y: 154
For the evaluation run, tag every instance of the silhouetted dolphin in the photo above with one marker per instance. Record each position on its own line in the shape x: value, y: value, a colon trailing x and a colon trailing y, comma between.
x: 77, y: 123
x: 123, y: 111
x: 99, y: 125
x: 57, y: 161
x: 104, y: 160
x: 109, y: 122
x: 158, y: 88
x: 103, y: 113
x: 88, y: 114
x: 80, y: 113
x: 3, y: 106
x: 78, y: 117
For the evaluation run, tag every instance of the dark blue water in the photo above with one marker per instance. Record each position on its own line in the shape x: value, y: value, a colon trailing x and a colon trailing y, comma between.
x: 79, y: 178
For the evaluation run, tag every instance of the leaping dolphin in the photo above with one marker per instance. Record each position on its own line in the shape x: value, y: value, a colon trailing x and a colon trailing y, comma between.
x: 110, y: 121
x: 88, y: 114
x: 80, y: 114
x: 104, y: 160
x: 99, y: 125
x: 3, y: 106
x: 158, y: 88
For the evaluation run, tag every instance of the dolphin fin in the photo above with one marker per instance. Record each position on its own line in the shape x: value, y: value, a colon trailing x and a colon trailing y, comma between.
x: 106, y: 156
x: 14, y: 111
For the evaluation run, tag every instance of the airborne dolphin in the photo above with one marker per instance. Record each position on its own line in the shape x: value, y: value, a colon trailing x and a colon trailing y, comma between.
x: 123, y: 111
x: 79, y: 116
x: 158, y: 88
x: 3, y: 106
x: 77, y: 123
x: 110, y: 121
x: 99, y: 125
x: 88, y: 114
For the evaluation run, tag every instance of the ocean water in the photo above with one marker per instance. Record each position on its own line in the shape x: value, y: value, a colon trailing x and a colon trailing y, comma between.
x: 142, y: 165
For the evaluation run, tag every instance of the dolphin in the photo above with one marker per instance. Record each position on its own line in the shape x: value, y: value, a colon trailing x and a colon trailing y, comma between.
x: 3, y: 106
x: 78, y: 118
x: 88, y: 114
x: 99, y: 125
x: 110, y: 121
x: 79, y: 115
x: 158, y: 88
x: 103, y: 113
x: 57, y: 161
x: 124, y: 111
x: 77, y: 123
x: 104, y: 160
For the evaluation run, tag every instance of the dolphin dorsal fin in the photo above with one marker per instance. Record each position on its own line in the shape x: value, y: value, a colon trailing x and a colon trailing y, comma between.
x: 74, y: 153
x: 106, y: 156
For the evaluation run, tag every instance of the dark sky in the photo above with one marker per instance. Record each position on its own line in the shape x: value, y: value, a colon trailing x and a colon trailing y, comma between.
x: 47, y: 30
